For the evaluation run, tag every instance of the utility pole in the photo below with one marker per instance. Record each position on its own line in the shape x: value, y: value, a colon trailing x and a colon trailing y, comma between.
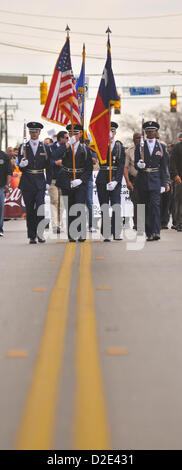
x: 6, y: 124
x: 1, y: 132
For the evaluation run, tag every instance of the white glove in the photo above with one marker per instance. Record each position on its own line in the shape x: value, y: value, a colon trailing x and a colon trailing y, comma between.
x: 141, y: 164
x: 75, y: 183
x: 111, y: 186
x: 110, y: 134
x: 23, y: 163
x: 47, y: 187
x: 163, y: 189
x: 72, y: 140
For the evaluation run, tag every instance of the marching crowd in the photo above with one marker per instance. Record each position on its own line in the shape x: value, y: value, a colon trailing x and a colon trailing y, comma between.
x: 153, y: 175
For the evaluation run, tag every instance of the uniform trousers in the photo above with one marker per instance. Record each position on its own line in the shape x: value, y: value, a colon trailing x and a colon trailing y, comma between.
x: 75, y: 196
x: 151, y: 199
x: 57, y: 205
x: 178, y: 203
x: 33, y: 200
x: 110, y: 225
x: 165, y: 205
x: 89, y: 201
x: 2, y: 198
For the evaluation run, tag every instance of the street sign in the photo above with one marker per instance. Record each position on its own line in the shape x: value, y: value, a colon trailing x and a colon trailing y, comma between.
x: 145, y: 90
x: 19, y: 79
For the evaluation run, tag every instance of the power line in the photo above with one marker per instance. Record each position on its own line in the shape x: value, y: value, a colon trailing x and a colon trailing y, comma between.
x: 126, y: 18
x: 177, y: 51
x: 123, y: 59
x: 93, y: 34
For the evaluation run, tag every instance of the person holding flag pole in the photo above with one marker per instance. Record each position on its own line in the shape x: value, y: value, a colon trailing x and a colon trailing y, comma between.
x: 76, y: 163
x: 111, y: 153
x: 80, y: 89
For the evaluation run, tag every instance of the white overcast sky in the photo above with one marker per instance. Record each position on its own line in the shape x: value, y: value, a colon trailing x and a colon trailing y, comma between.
x: 142, y: 49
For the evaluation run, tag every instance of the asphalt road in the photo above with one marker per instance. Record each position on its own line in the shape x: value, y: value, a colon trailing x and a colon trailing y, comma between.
x: 92, y: 358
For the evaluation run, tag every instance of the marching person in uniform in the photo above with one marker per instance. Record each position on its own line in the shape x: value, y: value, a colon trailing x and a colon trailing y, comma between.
x: 111, y: 191
x: 76, y: 188
x: 151, y: 180
x: 34, y: 157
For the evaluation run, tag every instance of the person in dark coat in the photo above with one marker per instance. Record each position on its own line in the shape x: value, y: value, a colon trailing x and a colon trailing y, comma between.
x: 34, y: 158
x: 175, y: 168
x: 75, y: 189
x: 151, y: 180
x: 110, y: 191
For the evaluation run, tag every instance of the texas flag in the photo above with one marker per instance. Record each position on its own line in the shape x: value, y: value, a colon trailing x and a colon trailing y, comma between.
x: 100, y: 120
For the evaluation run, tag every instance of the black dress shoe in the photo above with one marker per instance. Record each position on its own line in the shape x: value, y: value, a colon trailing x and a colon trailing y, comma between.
x: 32, y: 241
x: 173, y: 227
x: 72, y: 240
x: 41, y: 240
x: 156, y: 236
x: 117, y: 239
x: 106, y: 240
x: 80, y: 239
x: 150, y: 238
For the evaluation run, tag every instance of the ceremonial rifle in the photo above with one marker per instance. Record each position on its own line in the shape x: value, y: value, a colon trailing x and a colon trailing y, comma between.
x: 24, y: 140
x: 142, y: 141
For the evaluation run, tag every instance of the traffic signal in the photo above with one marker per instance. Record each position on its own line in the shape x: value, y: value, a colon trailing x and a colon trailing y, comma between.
x: 173, y: 101
x: 117, y: 106
x: 43, y: 93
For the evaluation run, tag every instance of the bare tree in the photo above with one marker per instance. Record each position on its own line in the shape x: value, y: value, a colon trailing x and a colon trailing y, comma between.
x: 170, y: 124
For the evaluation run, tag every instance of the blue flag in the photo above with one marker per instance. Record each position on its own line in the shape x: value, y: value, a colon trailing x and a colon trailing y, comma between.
x: 80, y: 91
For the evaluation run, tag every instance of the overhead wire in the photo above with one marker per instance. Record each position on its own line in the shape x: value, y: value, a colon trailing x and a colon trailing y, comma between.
x: 127, y: 36
x: 125, y: 18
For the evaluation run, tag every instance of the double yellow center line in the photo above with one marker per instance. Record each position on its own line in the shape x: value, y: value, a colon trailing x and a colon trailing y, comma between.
x: 38, y: 419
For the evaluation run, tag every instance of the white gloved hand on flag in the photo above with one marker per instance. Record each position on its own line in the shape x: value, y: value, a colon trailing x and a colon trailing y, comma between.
x: 141, y: 164
x: 23, y: 163
x: 72, y: 140
x: 75, y: 183
x: 163, y: 189
x: 111, y: 186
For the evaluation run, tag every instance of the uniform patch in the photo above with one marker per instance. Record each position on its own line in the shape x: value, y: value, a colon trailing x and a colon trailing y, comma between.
x: 159, y: 154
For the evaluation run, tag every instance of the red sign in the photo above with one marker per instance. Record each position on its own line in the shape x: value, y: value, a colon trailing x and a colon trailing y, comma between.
x: 13, y: 201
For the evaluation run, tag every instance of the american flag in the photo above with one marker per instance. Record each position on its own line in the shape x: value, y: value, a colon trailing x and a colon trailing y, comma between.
x: 62, y: 92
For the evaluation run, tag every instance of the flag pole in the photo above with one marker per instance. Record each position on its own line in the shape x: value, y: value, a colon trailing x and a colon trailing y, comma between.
x: 109, y: 111
x: 72, y: 130
x: 83, y: 123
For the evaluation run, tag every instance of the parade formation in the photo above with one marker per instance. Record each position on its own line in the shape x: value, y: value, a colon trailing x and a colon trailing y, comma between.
x: 64, y: 167
x: 90, y: 350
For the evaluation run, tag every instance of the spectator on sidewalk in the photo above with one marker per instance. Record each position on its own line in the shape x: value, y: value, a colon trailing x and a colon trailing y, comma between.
x: 5, y: 179
x: 130, y: 174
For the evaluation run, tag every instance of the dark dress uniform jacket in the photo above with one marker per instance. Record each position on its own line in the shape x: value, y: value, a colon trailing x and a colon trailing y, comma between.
x: 83, y: 165
x: 118, y: 161
x: 147, y: 181
x: 40, y: 161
